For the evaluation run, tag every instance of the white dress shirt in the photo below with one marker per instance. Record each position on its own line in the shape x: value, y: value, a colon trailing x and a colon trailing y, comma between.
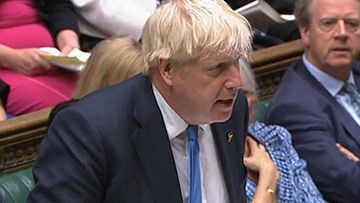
x: 333, y: 86
x: 212, y: 180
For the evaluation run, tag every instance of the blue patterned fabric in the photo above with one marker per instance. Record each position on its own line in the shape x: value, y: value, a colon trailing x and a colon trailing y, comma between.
x: 349, y: 90
x: 295, y: 184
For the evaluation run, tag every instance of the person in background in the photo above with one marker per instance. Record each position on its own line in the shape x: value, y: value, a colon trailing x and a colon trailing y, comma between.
x: 112, y: 61
x: 318, y: 98
x: 277, y: 33
x: 4, y: 92
x: 175, y: 134
x: 295, y: 184
x: 102, y: 19
x: 35, y: 84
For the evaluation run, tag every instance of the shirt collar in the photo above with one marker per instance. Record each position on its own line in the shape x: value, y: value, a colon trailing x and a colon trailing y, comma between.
x: 331, y: 84
x: 174, y: 124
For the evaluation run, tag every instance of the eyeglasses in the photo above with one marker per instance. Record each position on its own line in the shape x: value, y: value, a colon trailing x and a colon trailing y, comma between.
x: 329, y: 24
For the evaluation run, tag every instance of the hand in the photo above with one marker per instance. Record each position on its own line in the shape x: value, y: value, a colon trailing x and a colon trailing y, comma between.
x: 2, y: 112
x: 67, y: 40
x: 259, y: 163
x: 26, y: 61
x: 347, y: 153
x: 262, y: 170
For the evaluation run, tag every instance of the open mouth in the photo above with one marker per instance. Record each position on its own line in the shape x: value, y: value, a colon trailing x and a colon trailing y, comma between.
x: 226, y: 102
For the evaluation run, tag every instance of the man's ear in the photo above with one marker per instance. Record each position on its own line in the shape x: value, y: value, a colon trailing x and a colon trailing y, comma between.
x: 304, y: 32
x: 166, y: 69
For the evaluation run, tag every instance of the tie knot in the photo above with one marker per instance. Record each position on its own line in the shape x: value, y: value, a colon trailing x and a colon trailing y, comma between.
x: 192, y: 131
x: 349, y: 88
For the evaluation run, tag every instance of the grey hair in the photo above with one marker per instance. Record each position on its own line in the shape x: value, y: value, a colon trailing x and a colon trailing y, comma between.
x: 303, y: 11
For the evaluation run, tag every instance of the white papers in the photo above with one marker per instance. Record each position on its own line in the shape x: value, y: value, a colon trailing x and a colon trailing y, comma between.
x: 75, y: 61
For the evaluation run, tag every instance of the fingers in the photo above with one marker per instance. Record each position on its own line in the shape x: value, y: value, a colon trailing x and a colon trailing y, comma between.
x: 66, y: 50
x: 347, y: 153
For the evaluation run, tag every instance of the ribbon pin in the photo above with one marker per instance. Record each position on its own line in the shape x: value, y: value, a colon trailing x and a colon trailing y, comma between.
x: 230, y: 136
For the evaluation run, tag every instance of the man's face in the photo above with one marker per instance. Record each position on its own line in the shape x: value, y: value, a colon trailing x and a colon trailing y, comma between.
x: 332, y: 38
x: 205, y: 90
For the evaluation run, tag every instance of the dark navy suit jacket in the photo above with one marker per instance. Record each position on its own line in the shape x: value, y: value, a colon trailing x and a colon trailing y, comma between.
x: 317, y: 122
x: 112, y: 146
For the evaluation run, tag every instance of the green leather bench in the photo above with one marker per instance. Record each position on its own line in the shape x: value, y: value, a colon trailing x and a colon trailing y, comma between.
x: 15, y: 186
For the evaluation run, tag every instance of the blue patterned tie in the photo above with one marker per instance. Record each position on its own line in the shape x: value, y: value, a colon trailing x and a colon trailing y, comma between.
x: 354, y: 96
x: 194, y: 165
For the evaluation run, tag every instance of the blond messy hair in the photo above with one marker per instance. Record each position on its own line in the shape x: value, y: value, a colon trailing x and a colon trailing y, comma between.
x: 186, y: 30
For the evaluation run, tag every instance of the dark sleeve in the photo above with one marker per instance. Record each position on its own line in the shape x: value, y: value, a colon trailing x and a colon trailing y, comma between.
x: 4, y: 92
x: 58, y: 15
x: 71, y: 163
x: 59, y: 107
x: 314, y: 138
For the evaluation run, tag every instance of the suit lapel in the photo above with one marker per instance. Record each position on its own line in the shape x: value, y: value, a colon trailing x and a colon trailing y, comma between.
x: 153, y: 148
x: 342, y: 115
x: 229, y: 138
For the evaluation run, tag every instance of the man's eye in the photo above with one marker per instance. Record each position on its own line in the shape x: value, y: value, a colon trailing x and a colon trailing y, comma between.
x: 353, y: 24
x: 327, y: 24
x: 216, y: 70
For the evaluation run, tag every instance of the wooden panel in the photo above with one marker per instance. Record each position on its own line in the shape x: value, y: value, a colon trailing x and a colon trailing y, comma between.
x: 270, y: 64
x: 20, y: 138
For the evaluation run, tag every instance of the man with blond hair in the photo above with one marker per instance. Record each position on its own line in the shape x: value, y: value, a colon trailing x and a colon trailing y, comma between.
x: 175, y: 134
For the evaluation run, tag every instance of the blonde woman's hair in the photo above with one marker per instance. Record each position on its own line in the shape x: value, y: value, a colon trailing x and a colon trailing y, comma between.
x: 186, y: 30
x: 111, y: 61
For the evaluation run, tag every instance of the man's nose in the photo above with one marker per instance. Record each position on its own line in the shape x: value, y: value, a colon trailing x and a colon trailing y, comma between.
x: 341, y: 28
x: 234, y: 78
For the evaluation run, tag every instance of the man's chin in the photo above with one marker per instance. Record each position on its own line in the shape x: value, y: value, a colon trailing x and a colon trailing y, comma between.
x: 222, y: 117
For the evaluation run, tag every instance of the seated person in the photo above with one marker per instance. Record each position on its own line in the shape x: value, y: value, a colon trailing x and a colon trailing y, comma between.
x: 34, y: 83
x: 4, y: 92
x: 112, y: 61
x: 102, y: 19
x: 318, y: 99
x: 277, y: 33
x: 295, y: 183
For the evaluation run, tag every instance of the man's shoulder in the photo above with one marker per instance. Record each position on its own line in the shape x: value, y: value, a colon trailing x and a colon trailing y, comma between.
x: 296, y: 91
x: 293, y: 82
x: 122, y: 90
x: 114, y: 98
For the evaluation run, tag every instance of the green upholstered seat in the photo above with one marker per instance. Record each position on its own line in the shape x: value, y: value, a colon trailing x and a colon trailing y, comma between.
x: 261, y: 109
x: 15, y: 186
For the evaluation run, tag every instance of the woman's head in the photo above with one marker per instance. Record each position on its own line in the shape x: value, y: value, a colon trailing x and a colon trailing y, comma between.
x: 111, y: 61
x: 249, y: 87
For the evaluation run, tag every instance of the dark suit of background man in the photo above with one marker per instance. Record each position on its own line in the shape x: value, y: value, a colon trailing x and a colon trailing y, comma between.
x: 310, y: 101
x: 127, y: 143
